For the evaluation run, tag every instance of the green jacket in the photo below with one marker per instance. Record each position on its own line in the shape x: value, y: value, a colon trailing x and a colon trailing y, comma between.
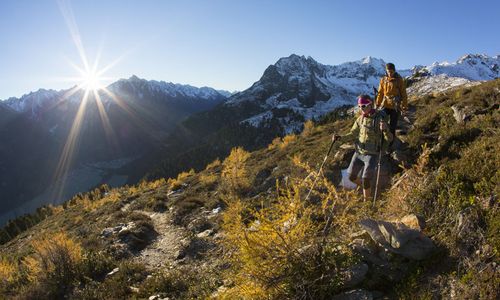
x: 367, y: 131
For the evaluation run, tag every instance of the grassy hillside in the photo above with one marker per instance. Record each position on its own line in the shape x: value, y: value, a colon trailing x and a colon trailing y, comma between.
x: 243, y: 228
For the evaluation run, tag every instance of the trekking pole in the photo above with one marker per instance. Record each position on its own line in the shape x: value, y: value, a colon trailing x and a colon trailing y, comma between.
x: 320, y: 168
x: 378, y: 168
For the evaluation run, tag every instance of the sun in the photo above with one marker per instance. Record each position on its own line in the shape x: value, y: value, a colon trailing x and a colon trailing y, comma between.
x: 90, y: 77
x: 91, y: 81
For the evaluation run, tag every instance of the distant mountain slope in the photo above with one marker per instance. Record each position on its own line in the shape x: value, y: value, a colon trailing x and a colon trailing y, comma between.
x: 6, y: 113
x: 135, y: 106
x: 28, y: 158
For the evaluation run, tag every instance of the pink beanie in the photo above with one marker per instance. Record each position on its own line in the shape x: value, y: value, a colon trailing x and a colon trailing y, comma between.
x: 364, y: 100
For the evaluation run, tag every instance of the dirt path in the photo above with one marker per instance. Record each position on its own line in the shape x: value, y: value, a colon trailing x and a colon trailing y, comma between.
x: 163, y: 252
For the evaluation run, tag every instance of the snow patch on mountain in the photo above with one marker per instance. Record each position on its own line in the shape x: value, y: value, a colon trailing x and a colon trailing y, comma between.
x: 258, y: 119
x: 436, y: 84
x: 5, y: 107
x: 225, y: 93
x: 290, y: 125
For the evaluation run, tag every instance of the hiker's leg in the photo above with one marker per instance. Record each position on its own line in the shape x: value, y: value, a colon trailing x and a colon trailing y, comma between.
x: 367, y: 191
x: 369, y: 171
x: 393, y: 121
x: 354, y: 168
x: 367, y: 194
x: 357, y: 181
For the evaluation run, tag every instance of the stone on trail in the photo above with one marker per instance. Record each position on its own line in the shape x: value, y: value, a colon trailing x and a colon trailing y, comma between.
x: 399, y: 238
x: 355, y: 275
x: 414, y: 222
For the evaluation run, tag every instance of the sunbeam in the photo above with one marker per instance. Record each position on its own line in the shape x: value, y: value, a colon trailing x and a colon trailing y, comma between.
x: 69, y: 148
x: 69, y: 17
x: 108, y: 129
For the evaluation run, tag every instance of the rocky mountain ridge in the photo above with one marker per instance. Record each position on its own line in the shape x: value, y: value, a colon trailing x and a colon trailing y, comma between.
x: 134, y: 85
x: 474, y: 67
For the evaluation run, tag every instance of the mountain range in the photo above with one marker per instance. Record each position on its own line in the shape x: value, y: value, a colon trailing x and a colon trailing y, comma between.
x: 160, y: 128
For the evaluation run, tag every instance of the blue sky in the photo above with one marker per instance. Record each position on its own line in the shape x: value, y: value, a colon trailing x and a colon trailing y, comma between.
x: 227, y: 44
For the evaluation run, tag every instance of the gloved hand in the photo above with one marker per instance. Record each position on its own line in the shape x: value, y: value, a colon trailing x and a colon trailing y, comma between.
x: 383, y: 126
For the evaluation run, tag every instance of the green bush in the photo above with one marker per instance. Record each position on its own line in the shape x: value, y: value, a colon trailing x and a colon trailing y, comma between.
x: 168, y: 284
x: 118, y: 285
x: 95, y: 265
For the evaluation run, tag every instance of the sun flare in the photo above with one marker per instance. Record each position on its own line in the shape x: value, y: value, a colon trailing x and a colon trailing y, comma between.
x: 91, y: 81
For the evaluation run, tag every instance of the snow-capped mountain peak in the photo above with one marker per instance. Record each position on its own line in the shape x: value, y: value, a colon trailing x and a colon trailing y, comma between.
x: 34, y: 101
x: 474, y: 58
x: 295, y: 64
x: 377, y: 63
x: 471, y: 66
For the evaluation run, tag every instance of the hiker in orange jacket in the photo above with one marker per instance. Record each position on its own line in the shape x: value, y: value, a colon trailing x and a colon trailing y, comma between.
x: 392, y: 96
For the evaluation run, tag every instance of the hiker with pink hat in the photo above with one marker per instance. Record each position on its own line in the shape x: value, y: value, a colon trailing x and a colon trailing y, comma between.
x: 372, y: 138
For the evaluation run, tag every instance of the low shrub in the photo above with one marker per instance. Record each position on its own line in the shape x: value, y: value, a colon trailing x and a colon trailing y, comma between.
x: 287, y: 140
x: 234, y: 171
x: 283, y: 249
x: 53, y: 268
x: 181, y: 283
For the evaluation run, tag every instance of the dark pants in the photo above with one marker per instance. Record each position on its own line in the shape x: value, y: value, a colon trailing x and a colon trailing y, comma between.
x: 364, y: 164
x: 393, y: 121
x: 365, y: 167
